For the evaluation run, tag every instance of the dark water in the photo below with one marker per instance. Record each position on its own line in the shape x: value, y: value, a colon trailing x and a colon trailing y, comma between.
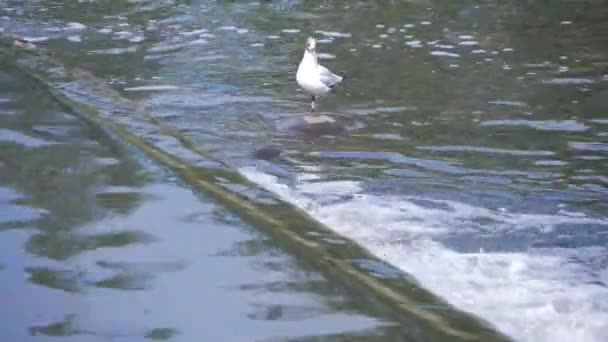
x: 476, y: 148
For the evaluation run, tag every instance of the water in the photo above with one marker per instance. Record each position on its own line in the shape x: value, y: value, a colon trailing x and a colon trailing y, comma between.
x: 97, y: 243
x: 475, y: 151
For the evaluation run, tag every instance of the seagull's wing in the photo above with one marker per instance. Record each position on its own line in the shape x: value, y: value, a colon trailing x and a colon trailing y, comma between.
x: 327, y: 77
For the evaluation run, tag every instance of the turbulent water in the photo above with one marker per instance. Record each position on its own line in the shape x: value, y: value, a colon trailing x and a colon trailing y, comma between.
x: 476, y: 143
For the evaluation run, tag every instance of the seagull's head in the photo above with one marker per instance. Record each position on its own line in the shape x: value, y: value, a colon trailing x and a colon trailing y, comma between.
x: 311, y: 44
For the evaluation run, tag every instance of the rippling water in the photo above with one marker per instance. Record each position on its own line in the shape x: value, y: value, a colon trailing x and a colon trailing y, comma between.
x: 474, y: 156
x: 97, y: 243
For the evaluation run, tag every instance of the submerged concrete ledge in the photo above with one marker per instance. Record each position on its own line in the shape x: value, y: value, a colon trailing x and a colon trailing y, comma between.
x: 421, y: 315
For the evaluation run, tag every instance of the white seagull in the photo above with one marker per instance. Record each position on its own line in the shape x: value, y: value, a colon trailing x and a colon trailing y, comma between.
x: 314, y: 78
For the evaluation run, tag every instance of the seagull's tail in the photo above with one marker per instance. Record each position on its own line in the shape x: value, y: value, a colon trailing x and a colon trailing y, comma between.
x: 336, y: 79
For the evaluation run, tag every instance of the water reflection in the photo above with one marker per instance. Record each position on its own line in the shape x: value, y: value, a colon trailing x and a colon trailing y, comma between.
x: 95, y: 244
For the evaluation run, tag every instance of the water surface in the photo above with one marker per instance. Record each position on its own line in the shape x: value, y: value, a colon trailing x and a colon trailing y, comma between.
x: 98, y: 243
x: 475, y: 155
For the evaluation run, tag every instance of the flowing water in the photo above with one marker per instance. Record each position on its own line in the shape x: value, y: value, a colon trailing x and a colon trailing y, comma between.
x: 476, y: 143
x: 97, y: 243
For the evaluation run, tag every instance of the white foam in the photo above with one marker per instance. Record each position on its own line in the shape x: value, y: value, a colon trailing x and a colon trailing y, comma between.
x: 35, y: 39
x: 291, y: 30
x: 334, y: 34
x: 115, y: 51
x: 531, y: 297
x: 568, y: 81
x: 468, y: 43
x: 445, y: 53
x: 76, y: 26
x: 123, y: 35
x: 444, y: 46
x: 165, y: 47
x: 414, y: 43
x: 105, y: 30
x: 193, y: 32
x: 152, y: 88
x: 227, y: 28
x: 136, y: 39
x: 325, y: 55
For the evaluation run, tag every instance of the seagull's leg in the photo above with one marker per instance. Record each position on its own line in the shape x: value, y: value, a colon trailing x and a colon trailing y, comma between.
x: 312, y: 104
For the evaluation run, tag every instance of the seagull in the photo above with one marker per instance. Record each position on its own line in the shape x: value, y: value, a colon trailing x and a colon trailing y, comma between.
x: 314, y: 78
